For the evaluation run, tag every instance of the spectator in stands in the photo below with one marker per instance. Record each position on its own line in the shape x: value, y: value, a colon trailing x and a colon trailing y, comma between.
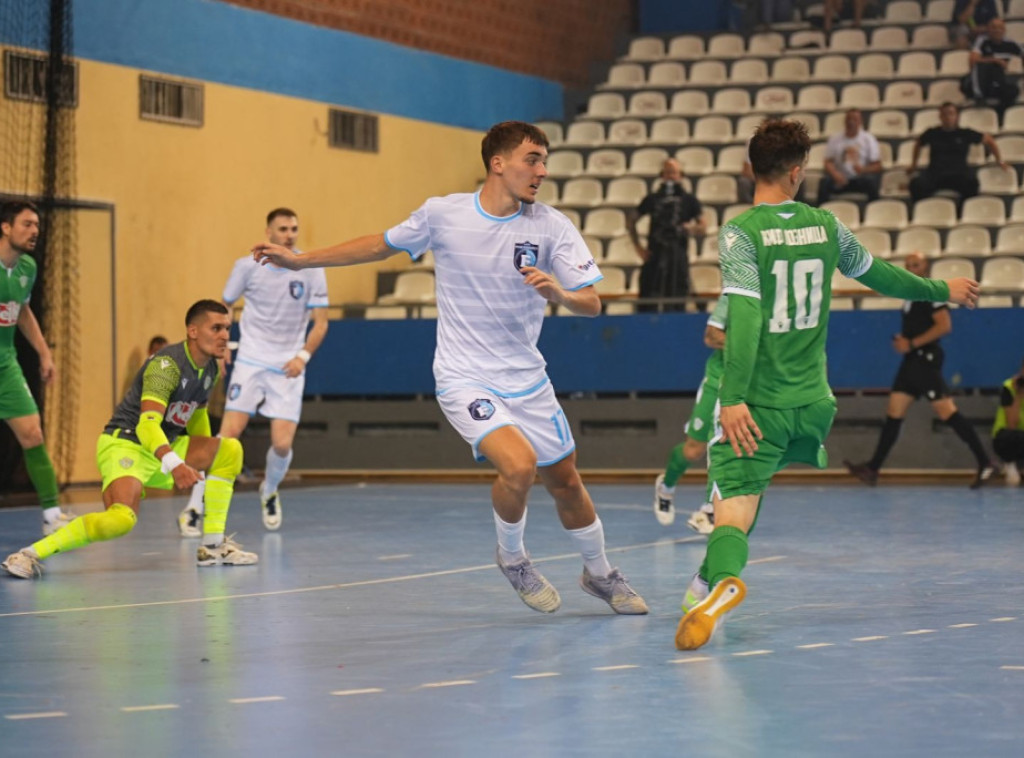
x: 970, y: 17
x: 948, y: 169
x: 833, y: 9
x: 675, y: 215
x: 990, y: 58
x: 158, y: 343
x: 1008, y: 429
x: 853, y: 161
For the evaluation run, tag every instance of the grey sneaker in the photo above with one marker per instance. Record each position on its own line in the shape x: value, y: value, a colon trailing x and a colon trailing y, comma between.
x: 22, y: 565
x: 534, y: 590
x: 615, y: 591
x: 695, y: 593
x: 227, y: 553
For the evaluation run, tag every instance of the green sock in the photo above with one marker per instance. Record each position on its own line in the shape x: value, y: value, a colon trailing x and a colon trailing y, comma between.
x: 727, y: 554
x: 44, y: 478
x: 676, y: 466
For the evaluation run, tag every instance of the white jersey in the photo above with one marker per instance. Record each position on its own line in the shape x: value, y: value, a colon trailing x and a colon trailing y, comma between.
x: 489, y: 321
x: 276, y: 311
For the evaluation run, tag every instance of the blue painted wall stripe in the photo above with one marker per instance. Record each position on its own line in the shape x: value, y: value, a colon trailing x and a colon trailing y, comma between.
x: 217, y: 42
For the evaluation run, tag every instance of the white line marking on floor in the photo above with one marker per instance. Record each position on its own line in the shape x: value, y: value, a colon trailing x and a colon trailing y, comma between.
x: 541, y: 675
x: 41, y: 715
x: 623, y: 667
x: 747, y: 653
x: 815, y: 645
x: 394, y: 557
x: 769, y: 559
x: 452, y: 683
x: 961, y: 626
x: 1012, y: 668
x: 1004, y: 618
x: 870, y: 639
x: 141, y: 708
x: 146, y: 555
x: 365, y: 691
x: 692, y: 659
x: 244, y: 700
x: 920, y: 631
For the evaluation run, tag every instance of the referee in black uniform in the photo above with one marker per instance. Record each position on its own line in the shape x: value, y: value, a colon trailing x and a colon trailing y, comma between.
x: 920, y: 374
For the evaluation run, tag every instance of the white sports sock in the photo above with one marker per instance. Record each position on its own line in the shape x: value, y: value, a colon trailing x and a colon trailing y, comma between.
x: 277, y: 467
x: 590, y: 542
x: 195, y: 500
x: 510, y: 538
x: 51, y: 513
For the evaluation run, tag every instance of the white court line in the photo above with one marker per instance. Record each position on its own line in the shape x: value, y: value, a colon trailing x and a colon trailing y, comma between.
x: 365, y: 691
x: 1004, y: 618
x: 960, y: 626
x: 541, y: 675
x: 343, y: 586
x: 815, y: 645
x: 920, y: 631
x: 141, y: 708
x: 769, y: 559
x: 394, y: 557
x: 623, y: 667
x: 41, y: 715
x: 245, y: 700
x: 752, y: 652
x: 692, y: 659
x: 452, y: 683
x: 870, y: 639
x: 1012, y: 668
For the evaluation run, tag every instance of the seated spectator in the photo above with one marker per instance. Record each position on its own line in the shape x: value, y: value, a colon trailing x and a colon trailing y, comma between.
x: 1008, y: 429
x: 834, y: 10
x: 853, y: 161
x: 990, y: 58
x: 948, y: 169
x: 970, y: 17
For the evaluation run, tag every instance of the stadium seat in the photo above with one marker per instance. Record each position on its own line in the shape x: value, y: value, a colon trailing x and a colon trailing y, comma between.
x: 886, y: 214
x: 717, y: 188
x: 690, y: 102
x: 903, y: 95
x: 881, y: 303
x: 848, y: 40
x: 877, y: 241
x: 845, y: 285
x: 890, y: 38
x: 944, y: 91
x: 935, y: 36
x: 766, y: 43
x: 710, y: 216
x: 382, y: 312
x: 621, y: 253
x: 1014, y: 9
x: 885, y: 156
x: 646, y: 49
x: 895, y: 183
x: 1013, y: 120
x: 686, y: 47
x: 731, y: 159
x: 708, y: 249
x: 889, y: 123
x: 919, y: 239
x: 951, y: 268
x: 874, y: 66
x: 667, y: 74
x: 547, y: 193
x: 643, y: 227
x: 832, y: 68
x: 806, y: 39
x: 627, y: 131
x: 584, y: 134
x: 749, y: 71
x: 708, y: 72
x: 1003, y: 273
x: 648, y: 104
x: 614, y: 283
x: 606, y: 162
x: 983, y: 210
x: 726, y: 45
x: 939, y: 10
x: 841, y: 304
x: 606, y: 105
x: 903, y: 12
x: 696, y: 161
x: 968, y: 240
x: 934, y: 211
x: 605, y: 222
x: 734, y: 210
x: 816, y: 97
x: 955, y: 63
x: 620, y: 308
x: 860, y: 95
x: 553, y: 131
x: 573, y: 216
x: 773, y: 99
x: 1010, y: 240
x: 594, y: 245
x: 995, y: 301
x: 917, y: 65
x: 411, y: 287
x: 647, y: 161
x: 625, y: 191
x: 624, y: 76
x: 925, y: 119
x: 810, y: 120
x: 565, y: 163
x: 705, y: 279
x: 791, y: 70
x: 670, y: 130
x: 731, y: 100
x: 845, y: 211
x: 582, y: 192
x: 816, y: 156
x: 981, y: 119
x: 994, y: 180
x: 712, y: 129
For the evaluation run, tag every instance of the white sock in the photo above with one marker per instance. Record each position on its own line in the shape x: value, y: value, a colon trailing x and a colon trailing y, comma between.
x: 667, y: 490
x: 708, y: 508
x: 590, y: 542
x: 195, y: 500
x: 277, y: 467
x: 213, y: 540
x: 51, y: 513
x: 510, y: 539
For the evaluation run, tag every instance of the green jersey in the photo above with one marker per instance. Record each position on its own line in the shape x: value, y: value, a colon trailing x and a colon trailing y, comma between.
x: 719, y: 318
x: 15, y: 290
x: 784, y: 256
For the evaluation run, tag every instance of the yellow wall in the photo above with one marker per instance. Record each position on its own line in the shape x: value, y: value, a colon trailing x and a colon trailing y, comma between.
x: 190, y: 201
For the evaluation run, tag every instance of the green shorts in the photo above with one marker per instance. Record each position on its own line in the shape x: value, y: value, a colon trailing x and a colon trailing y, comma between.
x: 796, y: 435
x: 702, y: 419
x: 15, y: 397
x: 118, y: 458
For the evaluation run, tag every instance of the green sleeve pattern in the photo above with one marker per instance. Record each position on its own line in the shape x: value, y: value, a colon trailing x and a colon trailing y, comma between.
x: 738, y: 259
x: 854, y: 258
x: 160, y: 379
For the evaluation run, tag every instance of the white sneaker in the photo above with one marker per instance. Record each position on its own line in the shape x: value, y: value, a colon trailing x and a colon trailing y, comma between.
x: 1011, y: 475
x: 699, y: 624
x: 62, y: 519
x: 22, y: 565
x: 664, y: 508
x: 271, y: 505
x: 227, y: 553
x: 695, y: 593
x: 701, y: 521
x: 190, y: 522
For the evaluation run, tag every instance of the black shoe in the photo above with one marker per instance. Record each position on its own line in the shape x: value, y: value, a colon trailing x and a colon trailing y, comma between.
x: 984, y: 475
x: 863, y: 472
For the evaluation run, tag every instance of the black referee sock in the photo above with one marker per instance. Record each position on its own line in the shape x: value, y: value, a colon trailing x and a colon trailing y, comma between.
x: 890, y: 432
x: 965, y: 431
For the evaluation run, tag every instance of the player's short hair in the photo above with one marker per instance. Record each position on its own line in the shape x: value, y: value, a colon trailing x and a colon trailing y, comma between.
x: 777, y: 146
x: 949, y: 104
x: 288, y: 212
x: 156, y: 343
x: 11, y: 209
x: 201, y: 307
x: 507, y: 136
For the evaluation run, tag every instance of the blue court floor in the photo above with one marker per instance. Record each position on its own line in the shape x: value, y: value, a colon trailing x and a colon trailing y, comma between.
x: 878, y: 622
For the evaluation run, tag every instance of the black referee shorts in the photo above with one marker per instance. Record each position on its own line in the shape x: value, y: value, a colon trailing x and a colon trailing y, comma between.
x: 920, y: 374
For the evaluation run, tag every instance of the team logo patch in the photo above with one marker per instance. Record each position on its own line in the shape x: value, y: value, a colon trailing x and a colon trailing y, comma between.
x: 207, y: 382
x: 296, y: 289
x: 126, y: 462
x: 525, y: 254
x: 23, y: 281
x: 234, y: 391
x: 481, y: 409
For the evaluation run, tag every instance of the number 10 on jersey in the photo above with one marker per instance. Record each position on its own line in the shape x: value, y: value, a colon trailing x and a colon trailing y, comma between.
x: 807, y: 282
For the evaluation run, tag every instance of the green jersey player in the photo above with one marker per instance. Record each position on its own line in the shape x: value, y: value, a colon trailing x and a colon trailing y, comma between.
x: 776, y: 407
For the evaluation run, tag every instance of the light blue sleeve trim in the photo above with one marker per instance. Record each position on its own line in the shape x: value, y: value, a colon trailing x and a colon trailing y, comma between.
x: 716, y: 324
x: 314, y: 307
x: 393, y: 246
x: 738, y: 291
x: 591, y: 283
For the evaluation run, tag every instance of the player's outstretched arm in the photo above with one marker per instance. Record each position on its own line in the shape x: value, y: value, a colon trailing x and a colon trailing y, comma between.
x: 373, y: 247
x: 894, y: 281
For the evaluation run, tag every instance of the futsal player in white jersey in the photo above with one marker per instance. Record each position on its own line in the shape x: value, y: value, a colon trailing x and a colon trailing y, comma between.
x: 268, y: 376
x: 499, y: 258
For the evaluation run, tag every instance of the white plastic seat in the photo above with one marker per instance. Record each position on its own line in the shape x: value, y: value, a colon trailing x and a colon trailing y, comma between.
x: 832, y: 67
x: 983, y: 120
x: 696, y: 161
x: 903, y: 94
x: 845, y: 211
x: 690, y: 102
x: 889, y: 123
x: 1013, y: 120
x: 606, y: 105
x: 606, y: 162
x: 841, y: 304
x: 618, y: 308
x: 885, y: 154
x: 1017, y: 210
x: 766, y: 43
x: 731, y: 159
x: 710, y: 215
x: 984, y: 210
x: 918, y: 65
x: 624, y: 76
x: 834, y: 123
x: 944, y: 91
x: 584, y: 133
x: 940, y: 10
x: 955, y: 63
x: 791, y: 70
x: 717, y: 188
x: 968, y: 240
x: 816, y: 97
x: 627, y: 131
x: 924, y: 120
x: 613, y: 284
x: 889, y: 38
x: 860, y: 95
x: 919, y: 239
x: 646, y: 49
x: 993, y: 180
x: 708, y: 72
x: 880, y: 303
x: 930, y: 36
x: 648, y: 104
x: 726, y: 45
x: 647, y: 161
x: 746, y: 125
x: 731, y: 100
x: 806, y: 39
x: 605, y: 222
x: 995, y: 301
x: 845, y: 285
x: 886, y: 214
x: 1011, y: 147
x: 734, y: 210
x: 712, y: 129
x: 874, y: 66
x: 1014, y: 9
x: 850, y: 40
x: 816, y: 155
x: 670, y: 130
x: 565, y: 163
x: 934, y: 211
x: 877, y: 241
x: 666, y: 74
x: 595, y: 245
x: 382, y: 312
x: 951, y: 268
x: 810, y: 120
x: 1003, y: 273
x: 1010, y: 240
x: 705, y: 279
x: 903, y: 12
x: 895, y: 183
x: 552, y: 130
x: 749, y: 71
x: 547, y: 193
x: 582, y: 192
x: 621, y: 252
x: 686, y: 47
x: 708, y: 250
x: 773, y: 99
x: 572, y: 215
x: 411, y: 287
x: 626, y: 191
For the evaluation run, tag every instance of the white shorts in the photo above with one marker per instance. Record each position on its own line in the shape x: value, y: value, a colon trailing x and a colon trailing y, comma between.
x: 254, y: 388
x: 475, y: 412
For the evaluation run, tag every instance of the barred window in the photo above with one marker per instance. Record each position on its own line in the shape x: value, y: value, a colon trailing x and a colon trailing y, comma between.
x: 25, y: 76
x: 352, y: 131
x: 171, y: 101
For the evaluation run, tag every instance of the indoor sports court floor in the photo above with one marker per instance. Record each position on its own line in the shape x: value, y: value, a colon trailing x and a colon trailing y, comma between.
x: 885, y: 622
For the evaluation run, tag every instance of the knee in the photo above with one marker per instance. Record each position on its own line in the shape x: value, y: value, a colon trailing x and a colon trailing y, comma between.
x: 520, y: 475
x: 227, y: 464
x: 114, y: 522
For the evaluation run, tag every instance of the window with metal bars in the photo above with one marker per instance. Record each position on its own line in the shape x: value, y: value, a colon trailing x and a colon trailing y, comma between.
x: 170, y: 101
x: 25, y: 78
x: 349, y: 130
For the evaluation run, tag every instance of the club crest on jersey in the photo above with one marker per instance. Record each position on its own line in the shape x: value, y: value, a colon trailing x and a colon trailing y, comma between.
x: 23, y: 281
x: 481, y: 409
x: 525, y: 254
x: 207, y: 382
x: 234, y: 391
x: 296, y: 289
x: 126, y: 462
